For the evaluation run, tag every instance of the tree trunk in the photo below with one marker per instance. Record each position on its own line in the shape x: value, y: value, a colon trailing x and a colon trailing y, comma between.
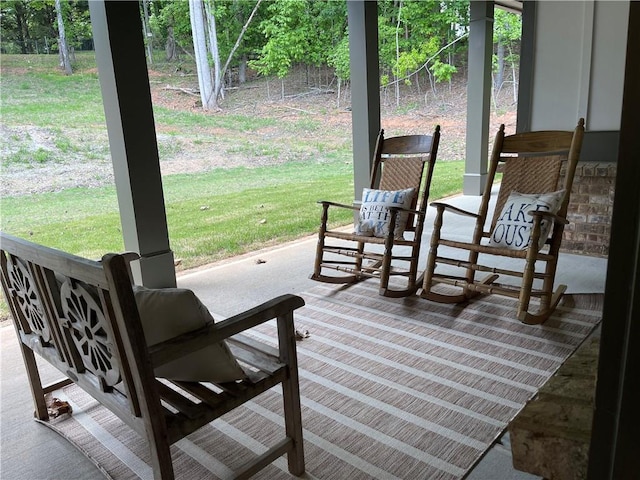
x: 242, y: 70
x: 22, y: 28
x: 500, y: 72
x: 397, y: 83
x: 218, y: 86
x: 239, y: 39
x: 147, y: 31
x: 65, y: 62
x: 515, y: 78
x: 200, y: 48
x: 171, y: 53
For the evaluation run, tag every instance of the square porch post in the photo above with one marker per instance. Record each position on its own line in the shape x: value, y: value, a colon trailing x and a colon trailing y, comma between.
x: 124, y: 81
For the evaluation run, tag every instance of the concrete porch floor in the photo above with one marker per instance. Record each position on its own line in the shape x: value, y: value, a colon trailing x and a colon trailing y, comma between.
x: 31, y: 451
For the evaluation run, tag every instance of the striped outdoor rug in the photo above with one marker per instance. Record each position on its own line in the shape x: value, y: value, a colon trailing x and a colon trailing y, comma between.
x: 391, y: 389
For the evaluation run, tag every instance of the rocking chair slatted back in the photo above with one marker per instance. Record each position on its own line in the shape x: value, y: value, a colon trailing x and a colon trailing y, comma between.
x: 525, y: 174
x: 404, y: 169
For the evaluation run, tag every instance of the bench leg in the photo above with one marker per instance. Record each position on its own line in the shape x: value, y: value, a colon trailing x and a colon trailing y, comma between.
x: 161, y: 461
x: 35, y: 383
x: 291, y: 394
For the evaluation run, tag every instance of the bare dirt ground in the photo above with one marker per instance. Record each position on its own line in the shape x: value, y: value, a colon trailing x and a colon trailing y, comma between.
x: 419, y: 111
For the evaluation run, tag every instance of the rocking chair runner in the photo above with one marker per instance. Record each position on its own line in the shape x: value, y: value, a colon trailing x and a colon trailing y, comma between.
x: 532, y: 200
x: 399, y: 164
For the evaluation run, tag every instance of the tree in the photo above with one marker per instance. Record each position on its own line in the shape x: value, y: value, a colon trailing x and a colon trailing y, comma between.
x: 339, y: 60
x: 299, y: 31
x: 205, y: 41
x: 33, y: 26
x: 170, y: 24
x: 27, y: 26
x: 218, y: 91
x: 15, y: 28
x: 198, y: 29
x: 420, y: 35
x: 65, y: 62
x: 285, y: 31
x: 146, y: 31
x: 507, y: 31
x: 239, y: 39
x: 232, y: 22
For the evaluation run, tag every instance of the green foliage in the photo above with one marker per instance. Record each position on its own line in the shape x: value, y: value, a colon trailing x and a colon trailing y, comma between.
x: 412, y: 34
x: 286, y: 29
x: 339, y: 59
x: 231, y: 16
x: 77, y: 22
x: 30, y: 26
x: 507, y: 32
x: 443, y: 72
x: 507, y: 27
x: 301, y: 31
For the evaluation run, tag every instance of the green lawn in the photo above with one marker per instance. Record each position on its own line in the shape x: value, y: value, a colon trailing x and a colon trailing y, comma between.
x: 211, y: 215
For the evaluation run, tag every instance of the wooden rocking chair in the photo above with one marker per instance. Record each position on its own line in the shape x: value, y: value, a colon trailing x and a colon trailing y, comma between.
x: 532, y: 201
x: 399, y: 165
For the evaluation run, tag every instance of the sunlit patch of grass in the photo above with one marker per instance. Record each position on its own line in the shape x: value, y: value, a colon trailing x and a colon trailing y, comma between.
x: 211, y: 215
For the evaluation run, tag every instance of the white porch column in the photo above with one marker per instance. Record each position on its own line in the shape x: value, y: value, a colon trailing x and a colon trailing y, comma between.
x: 124, y: 80
x: 365, y: 88
x: 478, y: 96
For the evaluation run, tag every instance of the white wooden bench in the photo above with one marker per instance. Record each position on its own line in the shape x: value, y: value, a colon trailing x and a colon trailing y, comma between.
x: 82, y: 317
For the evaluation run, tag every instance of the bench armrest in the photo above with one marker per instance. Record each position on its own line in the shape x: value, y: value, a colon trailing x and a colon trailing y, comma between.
x: 181, y: 345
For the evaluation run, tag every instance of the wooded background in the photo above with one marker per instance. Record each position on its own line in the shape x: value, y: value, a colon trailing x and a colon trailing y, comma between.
x: 421, y: 42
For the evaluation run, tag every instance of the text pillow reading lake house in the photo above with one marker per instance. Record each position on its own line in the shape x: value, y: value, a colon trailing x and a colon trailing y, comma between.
x: 514, y: 226
x: 375, y: 216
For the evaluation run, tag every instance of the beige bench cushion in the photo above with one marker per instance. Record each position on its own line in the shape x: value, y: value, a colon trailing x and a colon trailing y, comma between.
x: 168, y: 312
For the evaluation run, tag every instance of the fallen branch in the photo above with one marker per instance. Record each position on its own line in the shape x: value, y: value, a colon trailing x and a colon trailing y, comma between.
x: 298, y: 109
x: 188, y: 91
x: 313, y: 91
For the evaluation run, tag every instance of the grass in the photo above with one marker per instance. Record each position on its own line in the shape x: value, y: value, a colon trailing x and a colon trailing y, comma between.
x: 51, y: 117
x: 211, y: 215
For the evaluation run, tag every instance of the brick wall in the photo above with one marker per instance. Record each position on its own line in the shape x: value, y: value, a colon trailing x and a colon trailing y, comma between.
x: 590, y: 210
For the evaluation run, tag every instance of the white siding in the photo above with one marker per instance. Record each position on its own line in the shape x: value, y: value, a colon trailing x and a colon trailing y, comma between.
x: 580, y: 49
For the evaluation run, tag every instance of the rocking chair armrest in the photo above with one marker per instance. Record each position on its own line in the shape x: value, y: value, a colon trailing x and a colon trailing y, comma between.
x: 445, y: 206
x: 550, y: 216
x: 181, y: 345
x: 340, y: 205
x: 406, y: 210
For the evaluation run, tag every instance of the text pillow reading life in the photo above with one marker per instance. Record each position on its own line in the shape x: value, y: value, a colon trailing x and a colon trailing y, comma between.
x: 375, y: 216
